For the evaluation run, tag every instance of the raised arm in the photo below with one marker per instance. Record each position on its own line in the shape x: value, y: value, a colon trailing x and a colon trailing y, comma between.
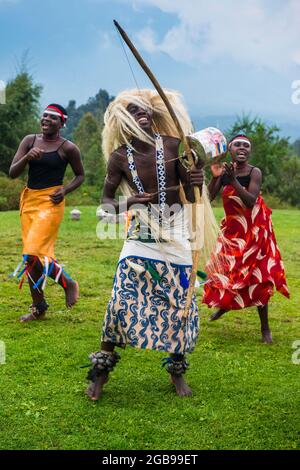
x: 23, y: 155
x: 248, y: 196
x: 215, y: 183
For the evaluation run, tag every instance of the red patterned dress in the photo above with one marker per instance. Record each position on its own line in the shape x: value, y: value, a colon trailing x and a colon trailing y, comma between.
x: 251, y: 261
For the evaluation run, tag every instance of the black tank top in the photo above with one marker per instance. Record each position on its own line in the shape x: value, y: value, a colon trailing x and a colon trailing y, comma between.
x: 48, y: 171
x: 243, y: 180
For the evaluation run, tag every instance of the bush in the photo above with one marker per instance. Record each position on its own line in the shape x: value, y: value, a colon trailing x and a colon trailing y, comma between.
x: 85, y: 195
x: 274, y: 202
x: 10, y: 193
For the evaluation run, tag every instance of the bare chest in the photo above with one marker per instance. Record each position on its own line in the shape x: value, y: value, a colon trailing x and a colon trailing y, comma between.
x: 150, y: 170
x: 50, y: 146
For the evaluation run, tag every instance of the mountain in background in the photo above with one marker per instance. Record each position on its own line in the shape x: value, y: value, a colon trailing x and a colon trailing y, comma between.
x: 95, y: 105
x: 98, y: 104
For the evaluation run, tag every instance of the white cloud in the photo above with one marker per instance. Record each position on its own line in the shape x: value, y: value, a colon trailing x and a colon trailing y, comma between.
x: 147, y: 39
x: 263, y: 33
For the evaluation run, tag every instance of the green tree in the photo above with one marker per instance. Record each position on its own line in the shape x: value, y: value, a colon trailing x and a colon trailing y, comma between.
x: 87, y: 136
x: 296, y: 147
x: 289, y: 187
x: 19, y: 116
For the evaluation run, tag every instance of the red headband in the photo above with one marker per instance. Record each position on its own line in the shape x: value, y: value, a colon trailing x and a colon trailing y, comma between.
x: 57, y: 110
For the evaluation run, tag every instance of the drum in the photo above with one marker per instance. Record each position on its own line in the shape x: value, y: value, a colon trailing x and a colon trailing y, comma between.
x: 209, y: 145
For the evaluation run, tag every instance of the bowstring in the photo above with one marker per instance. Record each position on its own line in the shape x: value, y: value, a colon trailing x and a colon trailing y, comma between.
x: 131, y: 69
x: 133, y: 75
x: 128, y: 61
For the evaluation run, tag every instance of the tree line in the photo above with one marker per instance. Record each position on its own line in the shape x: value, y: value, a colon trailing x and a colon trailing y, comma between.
x: 278, y: 159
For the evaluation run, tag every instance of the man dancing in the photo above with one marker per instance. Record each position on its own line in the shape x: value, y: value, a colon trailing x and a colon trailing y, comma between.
x: 146, y: 309
x: 42, y: 206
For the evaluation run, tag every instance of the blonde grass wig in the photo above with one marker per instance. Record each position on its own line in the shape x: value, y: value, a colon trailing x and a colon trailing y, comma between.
x: 120, y: 128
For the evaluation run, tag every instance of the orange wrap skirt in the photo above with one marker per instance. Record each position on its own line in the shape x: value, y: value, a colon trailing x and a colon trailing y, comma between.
x: 40, y: 221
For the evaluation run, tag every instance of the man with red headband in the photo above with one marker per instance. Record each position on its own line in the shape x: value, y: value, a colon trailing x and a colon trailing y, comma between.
x: 247, y: 255
x: 47, y: 156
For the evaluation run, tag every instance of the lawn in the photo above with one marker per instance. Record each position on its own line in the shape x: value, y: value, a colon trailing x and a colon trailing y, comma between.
x: 246, y: 394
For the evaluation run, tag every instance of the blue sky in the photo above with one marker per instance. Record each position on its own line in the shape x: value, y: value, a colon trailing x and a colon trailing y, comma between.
x: 225, y: 56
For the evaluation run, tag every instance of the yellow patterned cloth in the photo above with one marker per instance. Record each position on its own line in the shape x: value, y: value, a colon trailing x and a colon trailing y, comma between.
x: 40, y: 220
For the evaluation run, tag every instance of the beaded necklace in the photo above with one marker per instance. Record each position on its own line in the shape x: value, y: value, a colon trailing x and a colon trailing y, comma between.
x: 160, y: 171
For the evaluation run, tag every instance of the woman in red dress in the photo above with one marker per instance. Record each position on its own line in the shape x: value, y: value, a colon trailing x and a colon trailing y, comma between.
x: 247, y: 256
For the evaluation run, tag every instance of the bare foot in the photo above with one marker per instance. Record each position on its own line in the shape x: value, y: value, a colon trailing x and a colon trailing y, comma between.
x: 31, y: 317
x: 72, y: 293
x: 217, y: 315
x: 95, y: 389
x: 181, y: 387
x: 267, y: 337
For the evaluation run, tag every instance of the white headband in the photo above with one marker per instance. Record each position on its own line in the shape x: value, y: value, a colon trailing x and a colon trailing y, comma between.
x: 240, y: 139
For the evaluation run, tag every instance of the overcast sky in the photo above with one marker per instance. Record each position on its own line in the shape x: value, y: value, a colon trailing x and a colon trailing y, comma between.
x: 225, y: 56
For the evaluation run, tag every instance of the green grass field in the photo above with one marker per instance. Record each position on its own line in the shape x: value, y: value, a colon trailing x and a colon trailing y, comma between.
x: 246, y: 394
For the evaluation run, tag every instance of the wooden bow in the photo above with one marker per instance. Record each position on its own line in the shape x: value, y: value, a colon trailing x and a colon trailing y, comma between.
x: 187, y: 148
